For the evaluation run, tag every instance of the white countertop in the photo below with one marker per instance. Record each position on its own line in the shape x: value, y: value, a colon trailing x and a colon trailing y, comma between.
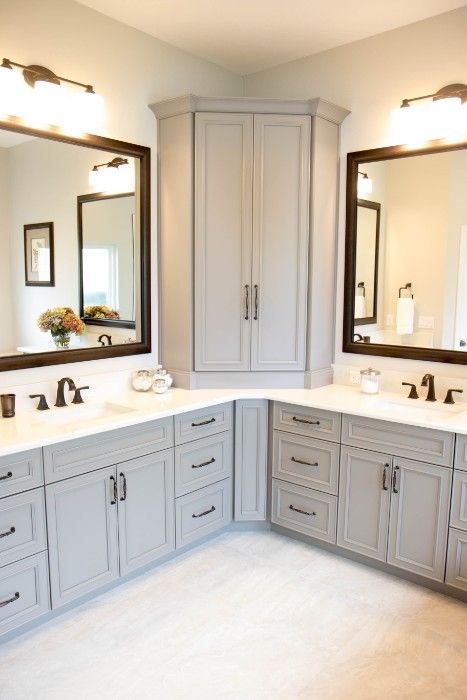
x: 30, y: 429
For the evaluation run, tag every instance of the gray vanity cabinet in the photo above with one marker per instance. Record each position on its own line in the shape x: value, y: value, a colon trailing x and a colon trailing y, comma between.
x: 251, y: 455
x: 146, y: 518
x: 418, y: 523
x: 364, y: 498
x: 83, y: 534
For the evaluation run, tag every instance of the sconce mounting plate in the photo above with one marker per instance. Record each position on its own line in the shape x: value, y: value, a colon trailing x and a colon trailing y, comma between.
x: 458, y: 89
x: 34, y: 73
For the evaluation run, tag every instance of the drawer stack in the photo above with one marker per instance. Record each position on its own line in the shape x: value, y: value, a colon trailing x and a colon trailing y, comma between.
x: 456, y: 567
x: 305, y: 470
x: 203, y: 472
x: 24, y: 585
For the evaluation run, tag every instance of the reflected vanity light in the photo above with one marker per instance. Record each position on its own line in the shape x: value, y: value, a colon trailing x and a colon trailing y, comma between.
x: 39, y: 99
x: 365, y: 184
x: 441, y: 115
x: 117, y: 175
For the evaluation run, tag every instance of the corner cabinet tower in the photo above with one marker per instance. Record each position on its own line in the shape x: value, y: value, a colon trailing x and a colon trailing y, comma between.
x: 247, y: 195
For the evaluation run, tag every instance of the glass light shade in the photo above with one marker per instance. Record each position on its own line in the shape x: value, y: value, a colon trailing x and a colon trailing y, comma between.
x: 86, y: 114
x: 95, y: 179
x: 364, y: 186
x: 443, y: 117
x: 13, y: 93
x: 48, y: 105
x: 126, y: 177
x: 408, y: 125
x: 110, y: 179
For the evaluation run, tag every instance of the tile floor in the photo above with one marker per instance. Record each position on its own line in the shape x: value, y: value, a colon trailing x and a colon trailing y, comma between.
x: 249, y: 616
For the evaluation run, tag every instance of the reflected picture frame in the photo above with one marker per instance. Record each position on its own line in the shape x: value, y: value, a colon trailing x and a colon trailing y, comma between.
x: 39, y: 254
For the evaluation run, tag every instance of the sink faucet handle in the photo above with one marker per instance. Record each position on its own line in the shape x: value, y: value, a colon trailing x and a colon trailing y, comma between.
x: 413, y: 390
x: 42, y: 405
x: 77, y: 398
x: 449, y: 396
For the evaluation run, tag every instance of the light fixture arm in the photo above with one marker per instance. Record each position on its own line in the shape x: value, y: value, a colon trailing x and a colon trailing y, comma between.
x: 454, y: 90
x: 34, y: 73
x: 114, y: 163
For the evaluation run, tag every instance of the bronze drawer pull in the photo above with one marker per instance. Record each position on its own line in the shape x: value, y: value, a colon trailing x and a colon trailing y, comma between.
x: 394, y: 480
x: 247, y: 302
x: 203, y: 464
x: 255, y: 317
x: 122, y: 476
x: 11, y: 531
x: 113, y: 482
x: 204, y: 422
x: 206, y: 512
x: 10, y: 600
x: 7, y: 476
x: 302, y: 461
x: 304, y: 420
x: 303, y: 512
x: 385, y: 477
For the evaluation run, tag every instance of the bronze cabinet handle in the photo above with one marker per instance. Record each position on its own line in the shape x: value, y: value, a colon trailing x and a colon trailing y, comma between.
x: 256, y: 303
x: 247, y: 302
x: 304, y: 420
x: 122, y: 476
x: 205, y: 512
x: 203, y: 464
x: 8, y: 475
x: 303, y: 512
x: 204, y: 422
x: 385, y: 477
x: 10, y: 600
x: 11, y: 531
x: 394, y: 480
x: 113, y: 482
x: 302, y: 461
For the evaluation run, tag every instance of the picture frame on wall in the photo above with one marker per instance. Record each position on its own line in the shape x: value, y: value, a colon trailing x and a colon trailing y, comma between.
x: 39, y: 254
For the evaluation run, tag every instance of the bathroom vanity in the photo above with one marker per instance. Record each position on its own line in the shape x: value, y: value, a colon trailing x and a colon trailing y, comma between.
x: 88, y: 499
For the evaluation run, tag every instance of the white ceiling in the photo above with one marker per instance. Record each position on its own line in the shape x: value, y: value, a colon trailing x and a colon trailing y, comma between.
x: 248, y: 35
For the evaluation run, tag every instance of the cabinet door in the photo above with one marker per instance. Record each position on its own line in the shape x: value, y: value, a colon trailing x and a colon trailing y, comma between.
x: 281, y: 182
x: 146, y: 509
x: 418, y: 525
x: 82, y: 528
x: 364, y: 494
x: 223, y: 211
x: 251, y: 439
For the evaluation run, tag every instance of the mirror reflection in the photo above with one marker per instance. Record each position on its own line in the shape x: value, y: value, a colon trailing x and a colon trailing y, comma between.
x: 411, y: 287
x: 68, y: 270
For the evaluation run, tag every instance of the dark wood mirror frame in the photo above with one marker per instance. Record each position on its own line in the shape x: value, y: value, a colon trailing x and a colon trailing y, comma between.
x: 374, y: 206
x: 141, y: 153
x: 354, y: 160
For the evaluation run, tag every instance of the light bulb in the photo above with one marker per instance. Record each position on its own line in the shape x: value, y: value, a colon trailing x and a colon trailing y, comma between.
x: 13, y: 93
x: 443, y: 117
x: 49, y: 102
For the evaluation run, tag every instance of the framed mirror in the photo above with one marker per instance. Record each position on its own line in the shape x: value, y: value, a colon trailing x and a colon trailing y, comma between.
x: 75, y: 263
x: 406, y: 253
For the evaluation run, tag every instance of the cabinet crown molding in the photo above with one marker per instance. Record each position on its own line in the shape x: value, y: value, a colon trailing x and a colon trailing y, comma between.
x: 315, y: 107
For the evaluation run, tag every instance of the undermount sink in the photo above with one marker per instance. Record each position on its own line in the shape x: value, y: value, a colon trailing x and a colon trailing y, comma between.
x: 422, y: 408
x: 73, y: 416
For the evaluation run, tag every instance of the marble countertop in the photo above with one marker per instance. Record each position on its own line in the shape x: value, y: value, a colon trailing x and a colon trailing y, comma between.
x: 30, y: 429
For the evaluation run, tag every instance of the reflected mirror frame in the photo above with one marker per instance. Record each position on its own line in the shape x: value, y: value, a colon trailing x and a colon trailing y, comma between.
x: 354, y: 160
x: 374, y: 206
x: 143, y: 155
x: 80, y: 200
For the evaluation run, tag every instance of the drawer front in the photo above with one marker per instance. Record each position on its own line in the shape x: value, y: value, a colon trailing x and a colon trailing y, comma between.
x: 202, y: 512
x: 460, y: 461
x: 201, y: 423
x: 459, y: 500
x: 24, y: 591
x: 22, y: 526
x: 306, y: 461
x: 307, y: 421
x: 20, y: 472
x: 456, y: 568
x: 203, y: 462
x: 96, y: 451
x: 433, y: 446
x: 304, y: 510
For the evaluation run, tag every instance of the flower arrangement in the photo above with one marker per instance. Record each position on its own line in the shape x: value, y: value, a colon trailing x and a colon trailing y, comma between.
x: 101, y: 311
x: 61, y: 321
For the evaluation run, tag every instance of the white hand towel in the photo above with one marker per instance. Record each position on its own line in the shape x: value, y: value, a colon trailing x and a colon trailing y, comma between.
x: 405, y: 315
x: 360, y: 306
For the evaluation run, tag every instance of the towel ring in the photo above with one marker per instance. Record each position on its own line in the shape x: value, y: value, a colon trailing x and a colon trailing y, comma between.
x: 408, y: 288
x: 361, y: 285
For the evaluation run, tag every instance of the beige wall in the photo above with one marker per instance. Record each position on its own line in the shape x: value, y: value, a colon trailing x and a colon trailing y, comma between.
x: 6, y: 334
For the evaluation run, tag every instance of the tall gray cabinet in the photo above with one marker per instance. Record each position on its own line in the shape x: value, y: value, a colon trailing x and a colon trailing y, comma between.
x: 242, y: 237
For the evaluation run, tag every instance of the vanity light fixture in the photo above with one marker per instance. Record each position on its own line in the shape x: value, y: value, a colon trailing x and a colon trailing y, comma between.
x: 441, y: 115
x: 117, y: 175
x: 365, y: 184
x: 38, y: 98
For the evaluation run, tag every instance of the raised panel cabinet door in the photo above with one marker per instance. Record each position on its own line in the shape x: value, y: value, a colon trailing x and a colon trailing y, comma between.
x: 251, y: 443
x: 419, y: 512
x: 82, y: 529
x: 146, y: 509
x: 364, y: 496
x: 223, y: 239
x: 281, y: 195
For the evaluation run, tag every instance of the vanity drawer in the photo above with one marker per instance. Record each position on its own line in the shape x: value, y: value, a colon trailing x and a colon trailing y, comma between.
x: 87, y: 454
x: 203, y: 512
x: 206, y: 421
x: 460, y: 461
x: 20, y: 472
x: 24, y: 591
x: 307, y: 421
x: 306, y: 461
x: 433, y: 446
x: 22, y: 526
x: 203, y: 462
x: 304, y: 510
x: 456, y: 566
x: 459, y: 500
